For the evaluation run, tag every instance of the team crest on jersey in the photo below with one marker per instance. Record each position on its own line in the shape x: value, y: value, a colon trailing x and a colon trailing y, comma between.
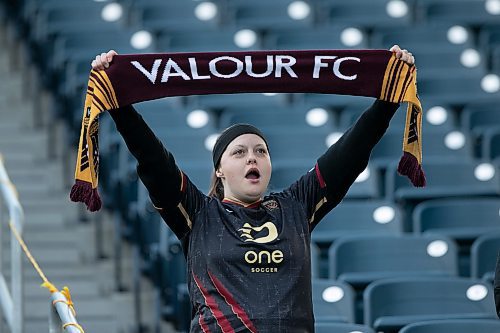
x: 250, y: 232
x: 270, y: 204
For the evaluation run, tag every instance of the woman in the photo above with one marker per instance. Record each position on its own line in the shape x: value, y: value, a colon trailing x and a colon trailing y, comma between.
x: 248, y: 254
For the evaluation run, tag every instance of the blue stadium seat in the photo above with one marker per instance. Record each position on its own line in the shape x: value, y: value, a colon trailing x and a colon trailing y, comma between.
x: 341, y: 328
x: 361, y: 13
x: 453, y: 325
x: 167, y: 115
x: 285, y: 119
x: 483, y: 256
x: 455, y: 89
x: 366, y: 186
x: 393, y: 303
x: 333, y: 301
x: 468, y: 12
x: 368, y: 217
x: 421, y: 38
x: 491, y: 145
x: 202, y: 41
x: 308, y: 145
x: 266, y: 15
x: 478, y: 117
x: 160, y: 16
x: 446, y: 123
x: 435, y: 147
x: 196, y: 155
x: 359, y: 260
x: 60, y: 17
x: 313, y: 39
x: 222, y: 101
x: 460, y: 219
x: 445, y: 179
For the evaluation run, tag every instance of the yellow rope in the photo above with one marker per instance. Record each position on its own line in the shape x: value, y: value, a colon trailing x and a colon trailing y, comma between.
x: 75, y: 325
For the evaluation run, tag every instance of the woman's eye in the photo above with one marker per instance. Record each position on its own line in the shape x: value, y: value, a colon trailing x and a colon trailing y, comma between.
x: 239, y: 152
x: 261, y: 151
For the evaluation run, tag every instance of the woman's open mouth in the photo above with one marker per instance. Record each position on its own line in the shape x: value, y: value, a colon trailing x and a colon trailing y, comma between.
x: 253, y: 174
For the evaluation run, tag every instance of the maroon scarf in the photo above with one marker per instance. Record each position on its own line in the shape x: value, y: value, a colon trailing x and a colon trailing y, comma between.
x: 141, y: 77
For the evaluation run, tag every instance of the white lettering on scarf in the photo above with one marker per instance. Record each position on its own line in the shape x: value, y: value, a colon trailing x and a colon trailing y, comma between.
x: 318, y: 64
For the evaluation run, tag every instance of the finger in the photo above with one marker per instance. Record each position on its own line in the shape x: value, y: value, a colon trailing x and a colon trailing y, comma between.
x: 98, y: 63
x: 93, y: 64
x: 104, y: 60
x: 110, y: 55
x: 395, y: 48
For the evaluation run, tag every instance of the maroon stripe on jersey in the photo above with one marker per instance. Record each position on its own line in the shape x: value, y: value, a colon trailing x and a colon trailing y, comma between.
x: 322, y: 183
x: 183, y: 182
x: 203, y: 325
x: 235, y: 307
x: 212, y: 305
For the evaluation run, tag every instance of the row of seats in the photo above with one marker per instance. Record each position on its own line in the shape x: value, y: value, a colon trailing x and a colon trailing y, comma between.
x: 392, y: 303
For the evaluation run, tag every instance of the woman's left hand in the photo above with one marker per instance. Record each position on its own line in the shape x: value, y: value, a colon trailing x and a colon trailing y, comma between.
x: 403, y: 55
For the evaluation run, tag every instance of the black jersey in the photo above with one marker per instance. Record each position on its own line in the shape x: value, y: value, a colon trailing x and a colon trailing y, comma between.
x: 249, y: 268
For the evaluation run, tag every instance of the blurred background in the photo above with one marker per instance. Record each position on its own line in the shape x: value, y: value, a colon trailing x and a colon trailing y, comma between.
x: 388, y: 259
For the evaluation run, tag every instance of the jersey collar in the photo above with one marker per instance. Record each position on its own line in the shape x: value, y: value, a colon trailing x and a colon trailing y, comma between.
x: 254, y: 204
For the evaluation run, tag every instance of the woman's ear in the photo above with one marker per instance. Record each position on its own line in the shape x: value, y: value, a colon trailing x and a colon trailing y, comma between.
x: 219, y: 173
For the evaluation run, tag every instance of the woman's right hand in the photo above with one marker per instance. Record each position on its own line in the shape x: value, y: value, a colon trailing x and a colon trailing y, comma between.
x: 103, y: 60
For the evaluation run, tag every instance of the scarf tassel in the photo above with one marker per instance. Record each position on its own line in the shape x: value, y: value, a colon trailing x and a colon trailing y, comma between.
x: 83, y: 192
x: 409, y: 166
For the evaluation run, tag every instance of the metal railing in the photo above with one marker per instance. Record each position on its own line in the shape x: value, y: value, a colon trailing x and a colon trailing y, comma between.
x: 62, y: 315
x: 11, y: 301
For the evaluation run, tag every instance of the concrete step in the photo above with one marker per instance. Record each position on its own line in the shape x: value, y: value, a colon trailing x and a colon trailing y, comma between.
x: 78, y: 289
x: 87, y: 309
x: 42, y: 325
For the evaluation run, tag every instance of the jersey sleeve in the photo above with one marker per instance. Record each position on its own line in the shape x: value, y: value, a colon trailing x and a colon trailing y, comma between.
x: 324, y: 187
x: 171, y: 192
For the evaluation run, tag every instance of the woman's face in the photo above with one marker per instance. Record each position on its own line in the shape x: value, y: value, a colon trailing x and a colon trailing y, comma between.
x: 245, y: 168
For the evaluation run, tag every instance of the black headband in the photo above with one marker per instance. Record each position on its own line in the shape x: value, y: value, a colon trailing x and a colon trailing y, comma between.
x: 229, y: 135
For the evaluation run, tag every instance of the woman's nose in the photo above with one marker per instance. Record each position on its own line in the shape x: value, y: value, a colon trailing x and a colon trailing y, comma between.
x: 251, y: 159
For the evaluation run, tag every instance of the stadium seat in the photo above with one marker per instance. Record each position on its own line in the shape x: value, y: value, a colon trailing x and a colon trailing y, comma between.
x: 366, y: 186
x: 370, y: 15
x: 351, y: 217
x: 455, y: 89
x: 484, y: 253
x: 453, y: 325
x: 333, y: 301
x: 308, y: 145
x: 359, y: 260
x: 166, y: 115
x: 393, y: 303
x: 160, y: 16
x: 437, y: 146
x: 285, y: 119
x: 341, y: 328
x: 460, y: 219
x: 491, y: 145
x: 266, y: 15
x: 460, y: 178
x: 312, y: 39
x: 222, y: 101
x: 422, y: 38
x: 468, y: 12
x: 478, y: 117
x: 445, y: 123
x: 60, y: 17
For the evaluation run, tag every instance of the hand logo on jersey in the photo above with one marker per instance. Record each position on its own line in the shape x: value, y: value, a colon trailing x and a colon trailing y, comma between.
x: 272, y: 233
